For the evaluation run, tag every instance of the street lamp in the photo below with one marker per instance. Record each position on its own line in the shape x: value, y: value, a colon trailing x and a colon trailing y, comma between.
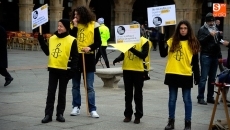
x: 70, y: 3
x: 10, y: 0
x: 209, y: 3
x: 41, y: 2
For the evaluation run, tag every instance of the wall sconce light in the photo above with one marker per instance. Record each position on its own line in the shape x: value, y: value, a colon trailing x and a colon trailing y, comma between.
x: 41, y: 2
x: 70, y: 3
x: 209, y: 3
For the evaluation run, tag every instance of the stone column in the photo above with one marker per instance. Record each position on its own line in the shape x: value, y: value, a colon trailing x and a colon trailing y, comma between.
x: 226, y: 31
x: 123, y: 11
x: 25, y: 9
x: 55, y: 13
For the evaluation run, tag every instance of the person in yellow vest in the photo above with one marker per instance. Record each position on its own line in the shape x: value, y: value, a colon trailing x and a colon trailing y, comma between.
x: 61, y: 50
x: 182, y: 65
x: 86, y: 31
x: 105, y: 35
x: 133, y: 76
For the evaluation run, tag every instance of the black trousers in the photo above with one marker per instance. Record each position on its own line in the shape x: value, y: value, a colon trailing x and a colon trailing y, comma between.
x: 154, y: 42
x: 5, y: 73
x: 133, y: 79
x: 102, y: 52
x: 55, y: 78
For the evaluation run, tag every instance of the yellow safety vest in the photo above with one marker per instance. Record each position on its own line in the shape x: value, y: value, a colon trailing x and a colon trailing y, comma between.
x: 105, y: 34
x: 132, y: 62
x: 179, y: 62
x: 59, y: 51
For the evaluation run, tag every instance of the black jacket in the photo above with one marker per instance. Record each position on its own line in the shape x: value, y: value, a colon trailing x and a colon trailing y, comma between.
x: 208, y: 45
x: 3, y: 48
x: 89, y: 58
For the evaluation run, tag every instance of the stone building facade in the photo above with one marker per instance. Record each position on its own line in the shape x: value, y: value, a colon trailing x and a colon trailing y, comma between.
x: 122, y: 10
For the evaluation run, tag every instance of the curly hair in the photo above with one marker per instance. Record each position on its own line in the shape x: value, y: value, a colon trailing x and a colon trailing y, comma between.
x: 86, y: 15
x: 192, y: 40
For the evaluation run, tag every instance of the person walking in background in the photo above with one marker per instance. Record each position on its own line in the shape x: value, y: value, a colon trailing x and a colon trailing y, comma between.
x: 143, y: 31
x: 219, y: 29
x: 87, y: 33
x: 3, y: 57
x: 61, y: 49
x: 210, y: 55
x: 133, y: 76
x: 105, y: 35
x: 154, y: 36
x: 182, y: 65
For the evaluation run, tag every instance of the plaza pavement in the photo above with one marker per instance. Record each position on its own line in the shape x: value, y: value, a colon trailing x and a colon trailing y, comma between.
x: 22, y: 103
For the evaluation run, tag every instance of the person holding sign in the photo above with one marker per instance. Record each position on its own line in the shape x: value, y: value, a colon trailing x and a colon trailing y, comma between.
x: 61, y: 49
x: 133, y: 76
x: 182, y: 51
x: 86, y: 30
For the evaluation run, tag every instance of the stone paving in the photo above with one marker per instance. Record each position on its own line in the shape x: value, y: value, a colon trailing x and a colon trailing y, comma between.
x: 22, y: 103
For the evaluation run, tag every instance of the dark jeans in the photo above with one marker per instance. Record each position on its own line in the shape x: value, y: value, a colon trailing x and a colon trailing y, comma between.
x: 208, y: 69
x: 56, y: 77
x: 102, y: 52
x: 186, y: 94
x: 5, y: 73
x: 154, y: 42
x: 133, y: 79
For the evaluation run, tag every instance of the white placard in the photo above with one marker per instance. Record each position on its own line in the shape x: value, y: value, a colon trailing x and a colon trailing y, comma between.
x: 39, y: 16
x: 127, y: 33
x: 161, y: 16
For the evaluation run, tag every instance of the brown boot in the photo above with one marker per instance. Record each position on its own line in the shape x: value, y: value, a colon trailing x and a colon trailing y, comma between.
x: 127, y: 119
x: 137, y: 120
x: 170, y: 125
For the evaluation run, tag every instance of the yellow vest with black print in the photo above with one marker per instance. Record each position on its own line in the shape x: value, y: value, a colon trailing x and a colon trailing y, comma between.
x: 85, y: 34
x: 179, y: 62
x: 59, y: 49
x: 132, y: 62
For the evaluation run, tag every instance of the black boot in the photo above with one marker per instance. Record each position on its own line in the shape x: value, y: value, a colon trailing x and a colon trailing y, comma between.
x: 187, y: 125
x: 170, y: 125
x: 47, y: 119
x: 60, y: 118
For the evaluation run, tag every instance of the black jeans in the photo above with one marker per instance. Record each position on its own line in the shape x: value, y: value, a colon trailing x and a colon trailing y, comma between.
x: 102, y: 52
x: 56, y: 77
x: 133, y: 79
x: 154, y: 42
x: 5, y: 73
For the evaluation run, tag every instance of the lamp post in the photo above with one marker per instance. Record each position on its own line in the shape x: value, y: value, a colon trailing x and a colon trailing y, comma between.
x: 41, y: 2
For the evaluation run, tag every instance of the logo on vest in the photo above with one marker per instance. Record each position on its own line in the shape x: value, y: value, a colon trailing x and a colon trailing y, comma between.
x: 81, y: 35
x: 179, y: 54
x: 56, y: 51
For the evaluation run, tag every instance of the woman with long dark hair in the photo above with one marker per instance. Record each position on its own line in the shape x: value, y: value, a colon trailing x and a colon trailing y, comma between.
x: 182, y: 51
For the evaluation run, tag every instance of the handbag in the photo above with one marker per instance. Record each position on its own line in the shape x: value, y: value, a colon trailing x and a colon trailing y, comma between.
x: 146, y: 72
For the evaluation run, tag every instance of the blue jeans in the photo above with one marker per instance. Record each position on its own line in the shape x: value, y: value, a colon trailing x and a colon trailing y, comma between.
x: 76, y: 80
x: 186, y: 94
x: 208, y: 69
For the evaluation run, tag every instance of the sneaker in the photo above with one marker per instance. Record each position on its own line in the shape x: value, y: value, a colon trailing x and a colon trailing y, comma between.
x: 202, y: 102
x: 94, y: 114
x: 212, y: 101
x: 75, y: 111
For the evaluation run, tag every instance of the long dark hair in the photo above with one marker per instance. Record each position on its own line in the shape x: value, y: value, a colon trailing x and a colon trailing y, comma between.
x: 86, y: 15
x: 192, y: 40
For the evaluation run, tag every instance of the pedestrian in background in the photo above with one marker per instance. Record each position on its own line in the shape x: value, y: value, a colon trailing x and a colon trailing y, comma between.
x: 210, y: 55
x: 3, y: 57
x: 182, y: 66
x: 105, y: 35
